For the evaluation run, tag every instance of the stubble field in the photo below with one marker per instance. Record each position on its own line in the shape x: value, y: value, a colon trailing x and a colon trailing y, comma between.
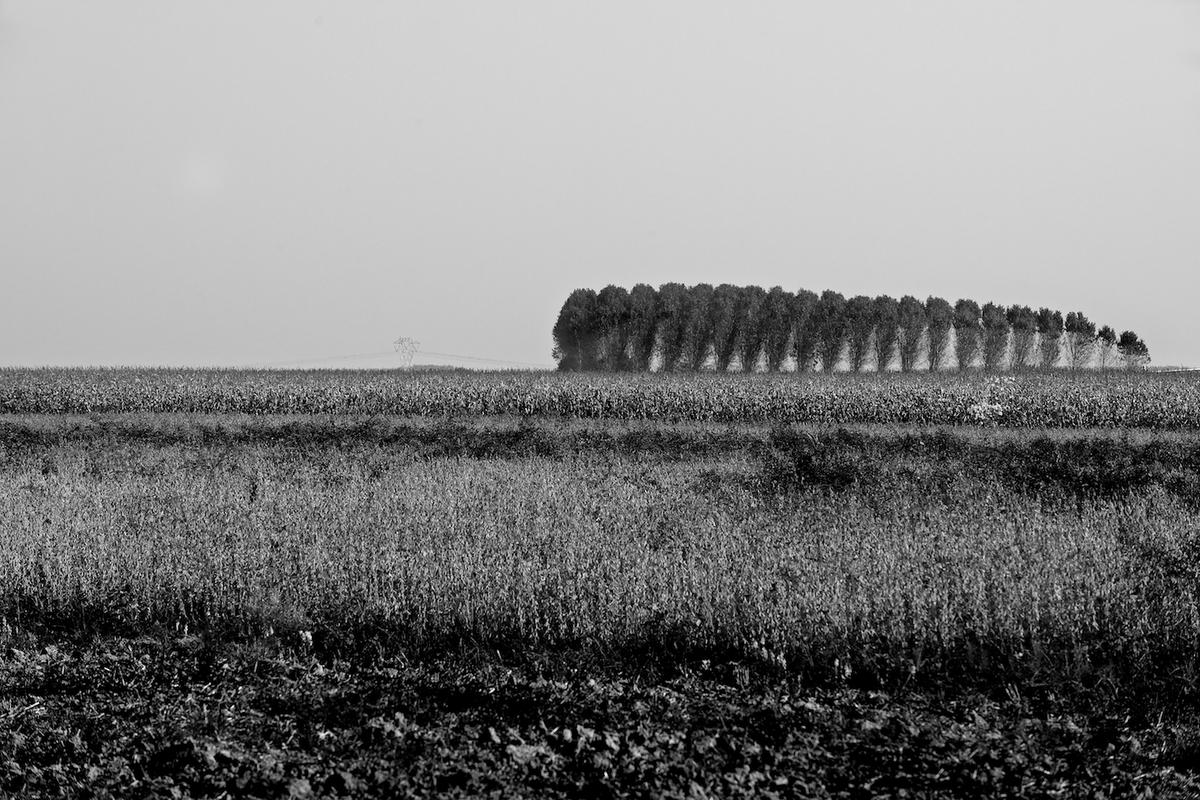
x: 371, y: 584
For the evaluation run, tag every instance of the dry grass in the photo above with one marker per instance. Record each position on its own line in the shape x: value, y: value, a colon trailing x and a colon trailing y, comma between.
x: 608, y: 553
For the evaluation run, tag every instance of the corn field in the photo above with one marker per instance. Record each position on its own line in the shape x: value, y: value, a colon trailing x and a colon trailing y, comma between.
x: 1084, y: 400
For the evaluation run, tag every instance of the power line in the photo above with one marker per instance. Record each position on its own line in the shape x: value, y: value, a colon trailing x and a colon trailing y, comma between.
x: 325, y: 358
x: 349, y: 357
x: 485, y: 360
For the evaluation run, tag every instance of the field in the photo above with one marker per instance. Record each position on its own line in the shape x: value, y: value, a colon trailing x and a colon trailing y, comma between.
x: 380, y: 584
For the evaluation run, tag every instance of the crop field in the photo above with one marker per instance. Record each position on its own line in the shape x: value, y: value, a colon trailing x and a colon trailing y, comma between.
x: 359, y: 584
x: 1086, y: 399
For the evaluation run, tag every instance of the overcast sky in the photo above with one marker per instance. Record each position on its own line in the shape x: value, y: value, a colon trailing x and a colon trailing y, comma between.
x: 230, y: 183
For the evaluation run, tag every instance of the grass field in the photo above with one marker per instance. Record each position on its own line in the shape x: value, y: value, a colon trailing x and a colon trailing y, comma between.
x: 360, y: 584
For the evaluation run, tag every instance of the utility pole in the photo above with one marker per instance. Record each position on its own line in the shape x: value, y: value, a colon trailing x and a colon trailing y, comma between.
x: 407, y: 347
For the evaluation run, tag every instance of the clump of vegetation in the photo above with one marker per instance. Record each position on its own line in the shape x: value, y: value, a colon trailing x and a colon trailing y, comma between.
x: 1040, y: 465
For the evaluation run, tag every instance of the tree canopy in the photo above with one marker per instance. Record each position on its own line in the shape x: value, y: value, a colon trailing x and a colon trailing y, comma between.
x: 677, y: 327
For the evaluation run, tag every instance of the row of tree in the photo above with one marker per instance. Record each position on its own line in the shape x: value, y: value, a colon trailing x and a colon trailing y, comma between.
x: 676, y: 327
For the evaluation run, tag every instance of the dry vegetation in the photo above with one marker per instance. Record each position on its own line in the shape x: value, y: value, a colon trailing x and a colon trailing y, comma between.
x: 617, y: 554
x: 1047, y: 581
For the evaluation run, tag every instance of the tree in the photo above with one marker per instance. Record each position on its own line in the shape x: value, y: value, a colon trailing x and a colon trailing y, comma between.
x: 777, y: 317
x: 672, y: 322
x: 830, y: 324
x: 939, y: 316
x: 1106, y: 346
x: 860, y: 323
x: 995, y: 336
x: 1023, y: 322
x: 643, y: 325
x: 806, y: 338
x: 1050, y: 328
x: 1079, y: 340
x: 613, y: 307
x: 723, y: 310
x: 887, y: 330
x: 912, y: 326
x: 1133, y: 350
x: 751, y: 317
x: 577, y: 331
x: 966, y: 332
x: 699, y: 327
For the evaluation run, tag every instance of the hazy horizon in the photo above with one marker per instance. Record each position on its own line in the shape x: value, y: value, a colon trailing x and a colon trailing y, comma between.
x: 278, y: 182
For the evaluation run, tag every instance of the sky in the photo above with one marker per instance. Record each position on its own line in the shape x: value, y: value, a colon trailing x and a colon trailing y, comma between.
x: 279, y: 182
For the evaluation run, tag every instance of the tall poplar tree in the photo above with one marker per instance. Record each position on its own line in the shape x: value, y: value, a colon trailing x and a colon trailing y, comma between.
x: 577, y: 331
x: 643, y: 326
x: 966, y: 332
x: 752, y: 301
x: 672, y: 323
x: 780, y: 305
x: 912, y: 328
x: 995, y: 336
x: 1050, y: 329
x: 1079, y: 340
x: 724, y: 310
x: 830, y: 324
x: 1023, y: 322
x: 699, y: 330
x: 806, y: 339
x: 887, y: 330
x: 613, y: 307
x: 860, y: 322
x: 939, y: 319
